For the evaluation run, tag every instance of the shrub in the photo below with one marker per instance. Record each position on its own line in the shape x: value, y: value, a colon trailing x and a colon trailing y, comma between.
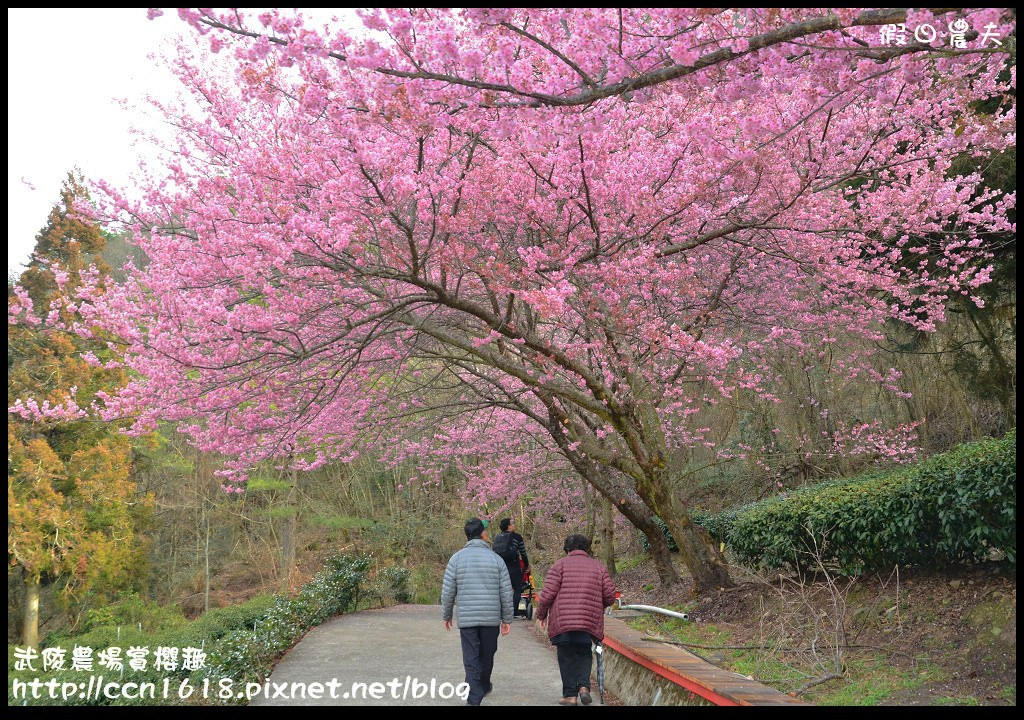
x: 241, y: 642
x: 215, y: 624
x: 134, y: 610
x: 426, y: 581
x: 954, y: 507
x: 394, y: 583
x: 248, y: 654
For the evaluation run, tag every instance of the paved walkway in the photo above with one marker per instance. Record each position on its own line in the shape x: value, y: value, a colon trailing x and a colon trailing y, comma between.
x: 378, y: 646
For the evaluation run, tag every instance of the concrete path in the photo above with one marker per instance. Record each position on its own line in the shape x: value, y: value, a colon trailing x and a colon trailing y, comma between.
x: 391, y: 644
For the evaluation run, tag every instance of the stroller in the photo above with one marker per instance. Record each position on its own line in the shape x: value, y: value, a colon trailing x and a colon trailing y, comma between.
x: 529, y: 596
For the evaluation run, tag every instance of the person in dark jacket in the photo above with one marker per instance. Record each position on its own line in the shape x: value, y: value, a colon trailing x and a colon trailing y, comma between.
x: 576, y: 591
x: 516, y: 551
x: 477, y: 580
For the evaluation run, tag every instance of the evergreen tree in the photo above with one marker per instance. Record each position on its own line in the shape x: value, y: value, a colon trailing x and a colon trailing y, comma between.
x: 71, y: 502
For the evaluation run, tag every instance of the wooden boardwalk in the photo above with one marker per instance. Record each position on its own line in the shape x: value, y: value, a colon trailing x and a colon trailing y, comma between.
x: 705, y: 681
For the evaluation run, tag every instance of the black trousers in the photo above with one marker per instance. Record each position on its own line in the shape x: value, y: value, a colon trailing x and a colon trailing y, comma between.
x: 516, y: 576
x: 478, y: 647
x: 574, y: 663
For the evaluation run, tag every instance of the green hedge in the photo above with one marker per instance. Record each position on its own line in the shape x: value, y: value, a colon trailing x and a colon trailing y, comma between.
x: 247, y: 655
x: 204, y: 632
x: 954, y: 507
x: 241, y: 642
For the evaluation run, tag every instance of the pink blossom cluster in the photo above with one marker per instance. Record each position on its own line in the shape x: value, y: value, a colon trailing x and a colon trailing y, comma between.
x: 61, y: 412
x: 594, y: 223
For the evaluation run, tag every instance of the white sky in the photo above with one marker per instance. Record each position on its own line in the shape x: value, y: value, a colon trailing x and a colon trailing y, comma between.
x: 67, y: 69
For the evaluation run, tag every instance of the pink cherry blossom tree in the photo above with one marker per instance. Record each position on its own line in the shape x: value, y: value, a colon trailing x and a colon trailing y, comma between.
x: 598, y: 223
x: 510, y: 446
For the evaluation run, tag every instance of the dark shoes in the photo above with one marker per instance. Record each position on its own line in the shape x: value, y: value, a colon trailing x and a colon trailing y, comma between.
x: 486, y: 693
x: 584, y: 698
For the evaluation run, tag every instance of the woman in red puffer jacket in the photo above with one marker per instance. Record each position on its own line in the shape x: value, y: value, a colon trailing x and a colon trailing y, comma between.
x: 576, y: 591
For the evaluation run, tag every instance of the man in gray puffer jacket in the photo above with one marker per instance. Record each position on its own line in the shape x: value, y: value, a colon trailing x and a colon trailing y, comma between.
x: 479, y: 580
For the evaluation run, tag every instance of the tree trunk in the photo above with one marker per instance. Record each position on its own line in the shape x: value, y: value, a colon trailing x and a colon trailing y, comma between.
x: 601, y: 478
x: 30, y: 620
x: 288, y: 535
x: 643, y: 520
x: 535, y: 540
x: 608, y: 535
x: 646, y: 440
x: 206, y: 557
x: 703, y: 559
x: 1007, y: 391
x: 591, y: 515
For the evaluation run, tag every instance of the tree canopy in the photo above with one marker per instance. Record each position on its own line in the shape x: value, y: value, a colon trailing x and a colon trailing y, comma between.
x: 568, y: 231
